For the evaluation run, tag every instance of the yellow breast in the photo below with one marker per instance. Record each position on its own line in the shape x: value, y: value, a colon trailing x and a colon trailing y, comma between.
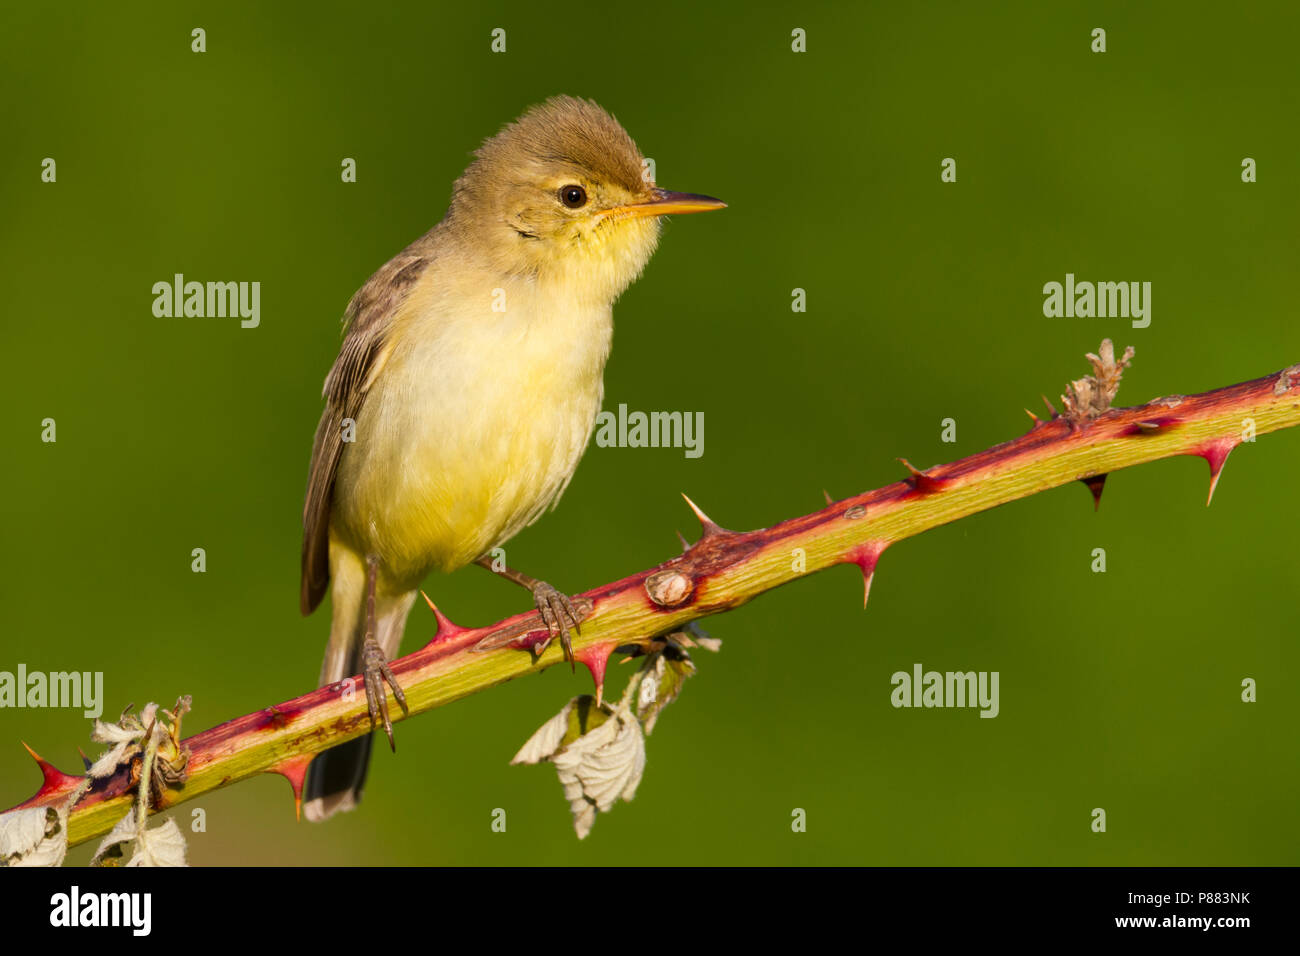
x: 474, y: 424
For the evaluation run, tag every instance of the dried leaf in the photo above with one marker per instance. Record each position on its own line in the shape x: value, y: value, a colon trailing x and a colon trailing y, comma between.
x: 109, y: 733
x: 163, y: 845
x: 128, y: 739
x: 576, y: 718
x: 112, y: 847
x: 1090, y: 397
x: 110, y: 760
x: 660, y: 686
x: 36, y: 836
x: 126, y: 736
x: 598, y: 769
x: 598, y: 753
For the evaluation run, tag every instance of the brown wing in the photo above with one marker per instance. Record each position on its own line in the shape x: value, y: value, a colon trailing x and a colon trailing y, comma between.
x: 367, y: 321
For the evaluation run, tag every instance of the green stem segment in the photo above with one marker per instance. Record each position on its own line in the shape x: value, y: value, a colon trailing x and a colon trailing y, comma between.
x: 722, y: 570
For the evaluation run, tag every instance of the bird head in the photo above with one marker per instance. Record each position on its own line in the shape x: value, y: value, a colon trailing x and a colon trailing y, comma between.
x: 562, y: 194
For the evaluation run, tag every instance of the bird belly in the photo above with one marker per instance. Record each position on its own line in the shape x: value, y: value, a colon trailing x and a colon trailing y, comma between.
x: 466, y: 438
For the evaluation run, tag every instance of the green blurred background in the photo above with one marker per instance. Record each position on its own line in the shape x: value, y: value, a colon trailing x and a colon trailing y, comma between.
x: 1118, y: 690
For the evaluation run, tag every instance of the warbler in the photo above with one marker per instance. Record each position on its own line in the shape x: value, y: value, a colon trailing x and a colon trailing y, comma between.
x: 466, y: 389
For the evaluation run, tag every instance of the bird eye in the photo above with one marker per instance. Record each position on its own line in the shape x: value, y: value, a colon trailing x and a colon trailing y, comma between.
x: 575, y: 197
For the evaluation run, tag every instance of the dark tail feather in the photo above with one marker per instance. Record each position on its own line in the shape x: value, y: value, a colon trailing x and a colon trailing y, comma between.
x: 336, y: 778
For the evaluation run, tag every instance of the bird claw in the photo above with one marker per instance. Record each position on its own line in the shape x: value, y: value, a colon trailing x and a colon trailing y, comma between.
x: 559, y: 617
x: 376, y: 671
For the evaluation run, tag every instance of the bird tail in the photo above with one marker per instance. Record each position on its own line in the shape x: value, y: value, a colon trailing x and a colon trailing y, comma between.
x: 336, y: 777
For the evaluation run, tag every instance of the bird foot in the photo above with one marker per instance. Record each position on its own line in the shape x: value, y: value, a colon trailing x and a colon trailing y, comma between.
x: 559, y: 617
x: 376, y: 671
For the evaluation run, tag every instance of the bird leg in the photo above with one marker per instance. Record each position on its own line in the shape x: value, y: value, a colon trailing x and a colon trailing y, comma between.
x: 555, y: 607
x: 375, y: 667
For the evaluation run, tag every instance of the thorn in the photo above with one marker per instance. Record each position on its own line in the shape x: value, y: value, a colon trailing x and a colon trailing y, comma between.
x: 1035, y: 418
x: 446, y: 627
x: 922, y: 482
x: 85, y: 761
x: 1149, y: 427
x: 711, y: 527
x: 829, y: 499
x: 294, y: 769
x: 1050, y: 407
x: 54, y: 778
x: 866, y: 558
x: 686, y: 545
x: 1096, y: 484
x: 531, y: 639
x: 595, y: 658
x: 528, y: 634
x: 1216, y: 454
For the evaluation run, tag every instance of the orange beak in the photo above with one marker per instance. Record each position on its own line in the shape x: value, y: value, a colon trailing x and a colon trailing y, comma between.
x: 666, y: 203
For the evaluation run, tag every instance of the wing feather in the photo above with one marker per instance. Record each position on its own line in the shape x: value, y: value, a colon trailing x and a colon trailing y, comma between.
x: 367, y: 321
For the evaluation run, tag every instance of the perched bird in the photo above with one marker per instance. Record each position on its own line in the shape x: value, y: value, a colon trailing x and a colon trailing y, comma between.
x: 466, y: 389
